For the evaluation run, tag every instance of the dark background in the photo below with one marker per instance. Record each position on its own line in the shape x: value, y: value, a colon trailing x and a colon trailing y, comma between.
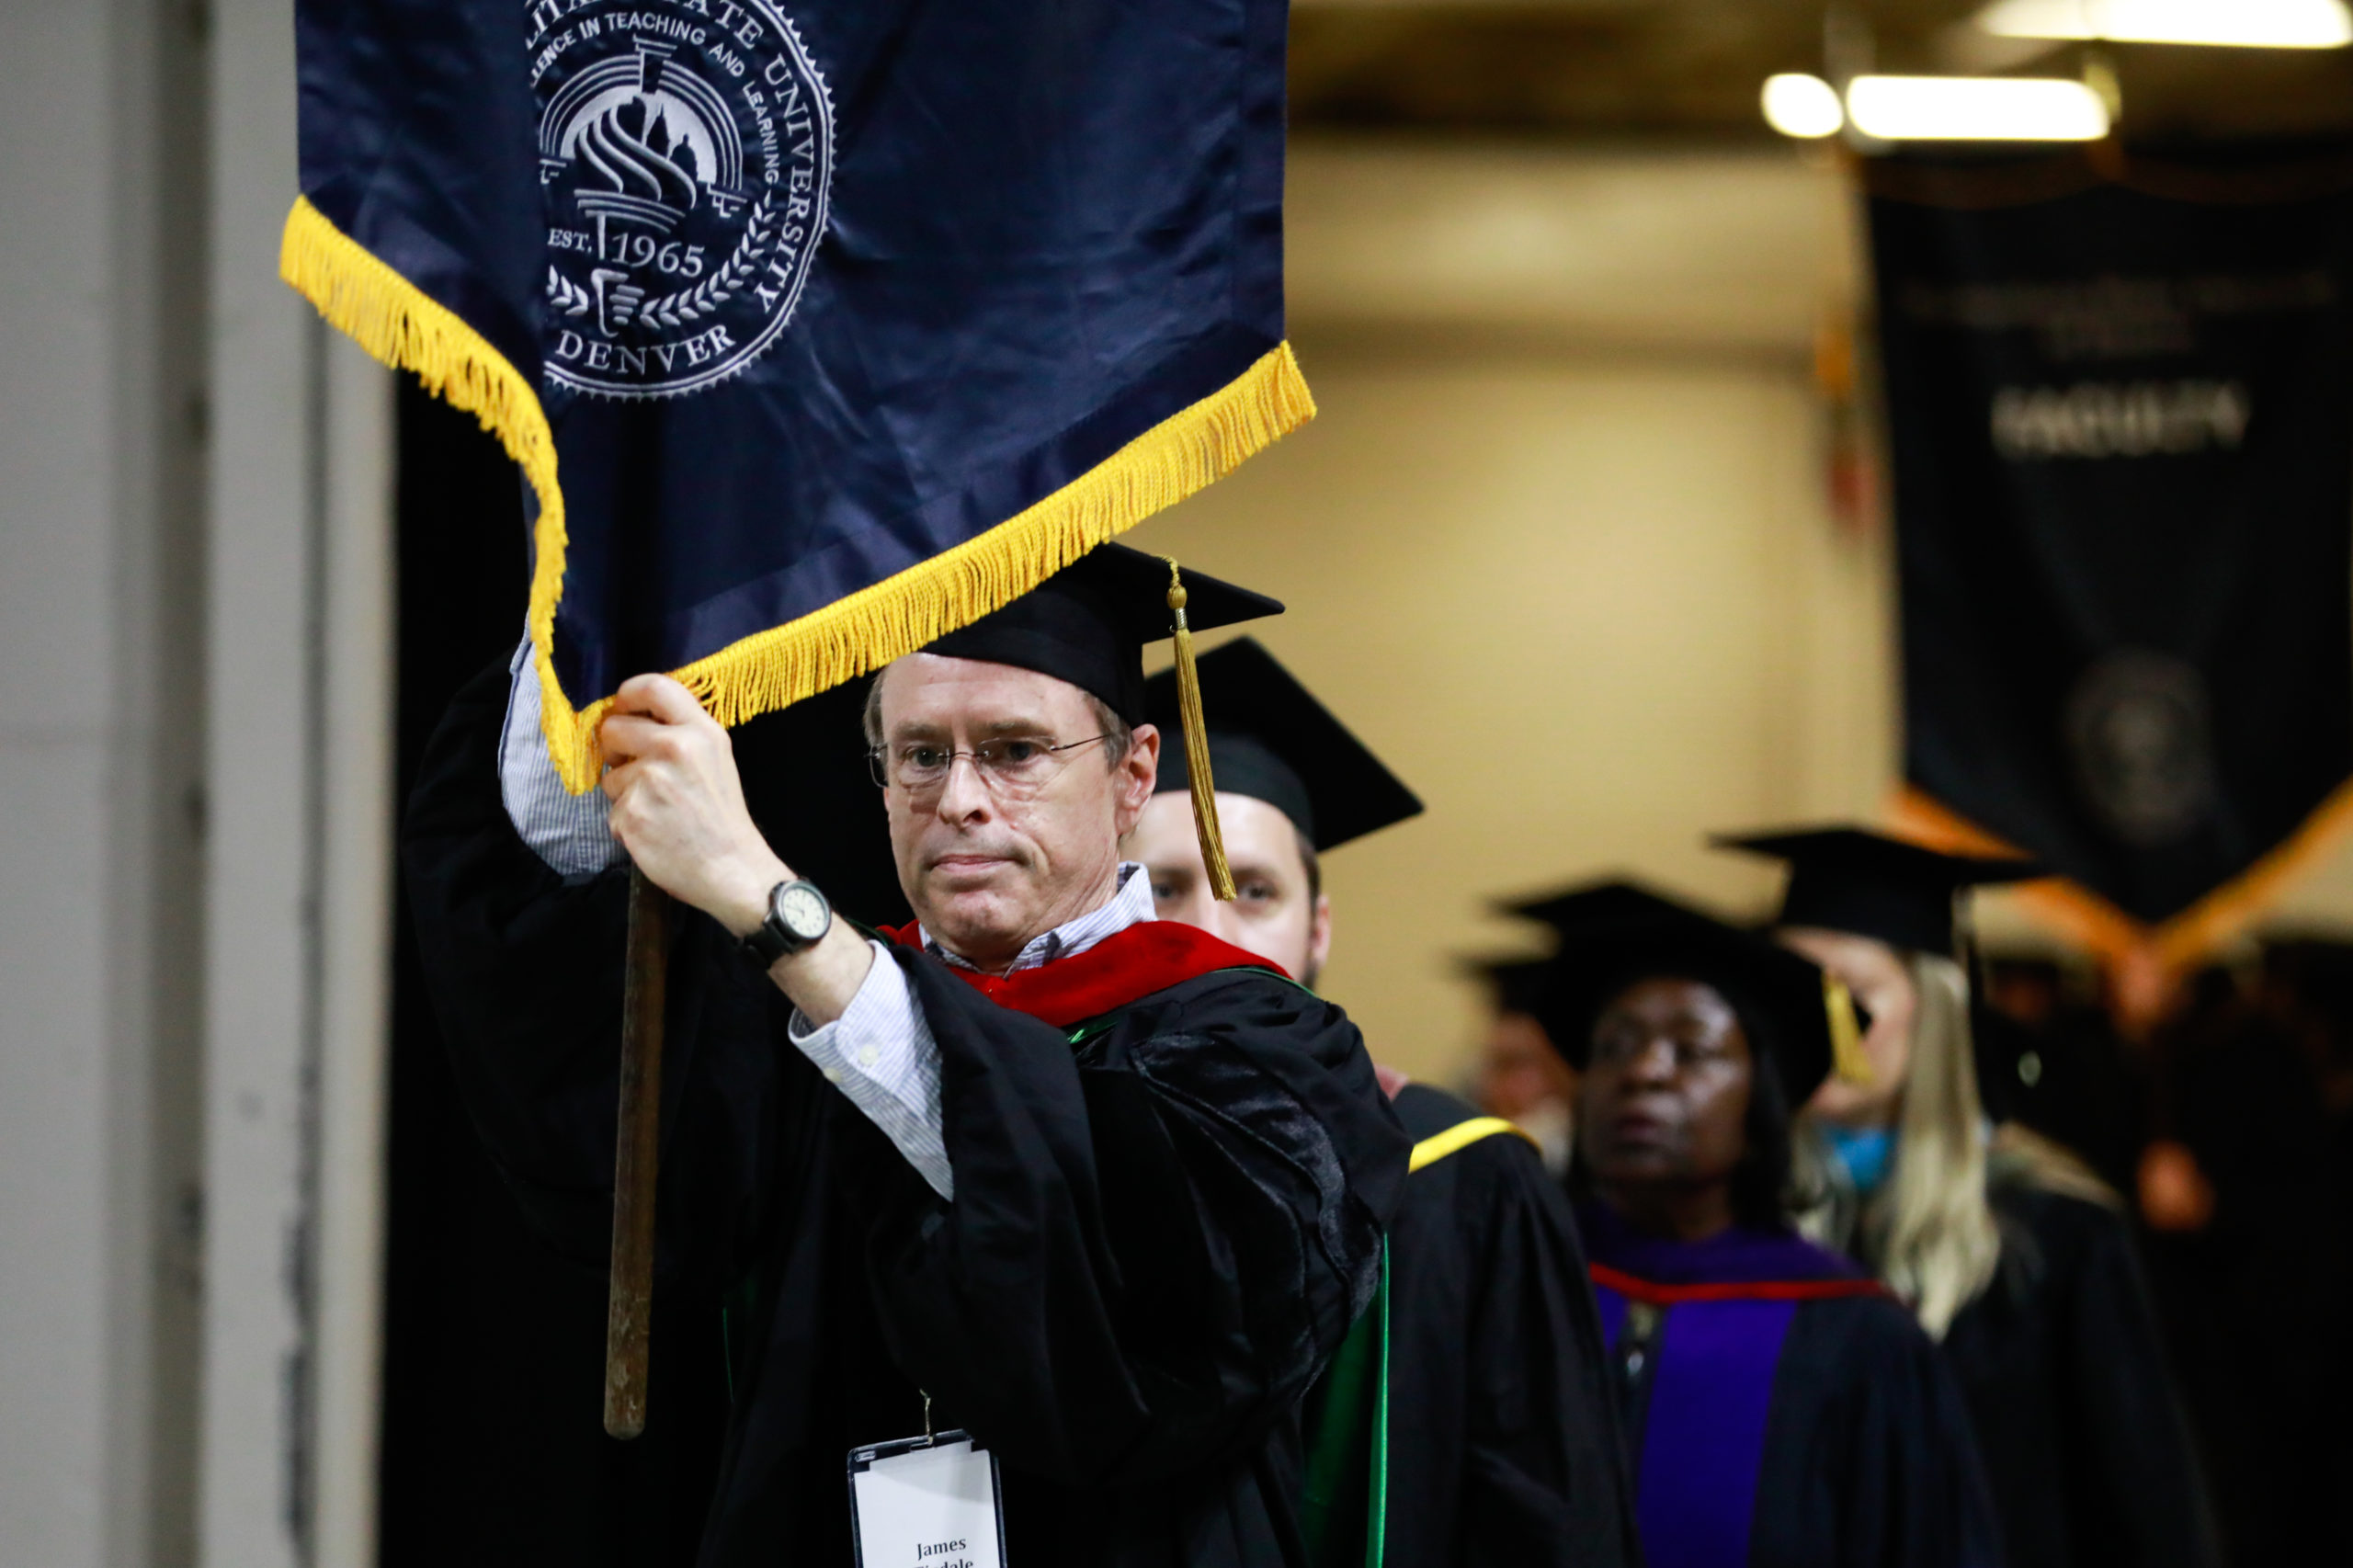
x: 494, y: 1447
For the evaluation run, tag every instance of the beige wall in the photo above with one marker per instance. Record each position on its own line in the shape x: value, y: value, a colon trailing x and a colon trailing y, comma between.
x: 1588, y: 610
x: 1569, y: 569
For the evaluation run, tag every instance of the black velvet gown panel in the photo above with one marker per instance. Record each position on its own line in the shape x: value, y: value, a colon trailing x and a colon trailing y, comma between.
x: 1157, y: 1241
x: 1504, y: 1446
x: 2085, y: 1444
x: 1869, y: 1458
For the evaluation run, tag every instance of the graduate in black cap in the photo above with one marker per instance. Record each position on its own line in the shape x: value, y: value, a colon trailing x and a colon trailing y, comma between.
x: 1521, y: 1075
x: 1102, y: 1191
x: 1499, y: 1445
x: 2012, y: 1253
x: 1783, y: 1409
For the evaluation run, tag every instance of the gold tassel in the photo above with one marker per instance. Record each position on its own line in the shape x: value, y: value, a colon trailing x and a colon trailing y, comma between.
x: 1197, y: 745
x: 1846, y: 1059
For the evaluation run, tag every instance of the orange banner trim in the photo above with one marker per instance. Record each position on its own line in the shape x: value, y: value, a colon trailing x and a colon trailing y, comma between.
x: 2145, y: 959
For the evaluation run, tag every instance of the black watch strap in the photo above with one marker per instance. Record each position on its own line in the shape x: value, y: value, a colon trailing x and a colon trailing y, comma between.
x: 799, y: 917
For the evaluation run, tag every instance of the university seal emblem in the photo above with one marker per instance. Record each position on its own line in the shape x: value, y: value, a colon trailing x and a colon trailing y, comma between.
x: 685, y: 149
x: 2142, y: 745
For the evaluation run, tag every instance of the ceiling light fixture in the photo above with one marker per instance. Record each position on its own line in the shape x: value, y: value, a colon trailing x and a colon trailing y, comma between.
x: 1975, y: 108
x: 1801, y: 106
x: 2246, y: 24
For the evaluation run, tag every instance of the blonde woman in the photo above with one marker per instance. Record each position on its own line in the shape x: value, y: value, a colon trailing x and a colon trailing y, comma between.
x: 2015, y: 1257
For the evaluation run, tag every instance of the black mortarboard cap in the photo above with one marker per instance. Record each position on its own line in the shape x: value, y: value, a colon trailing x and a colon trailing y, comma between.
x: 1089, y: 623
x: 1615, y: 933
x: 1849, y: 879
x: 1271, y: 739
x: 1515, y: 985
x: 1612, y: 905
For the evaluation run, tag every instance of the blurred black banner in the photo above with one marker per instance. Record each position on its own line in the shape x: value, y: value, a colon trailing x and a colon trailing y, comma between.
x: 2121, y: 419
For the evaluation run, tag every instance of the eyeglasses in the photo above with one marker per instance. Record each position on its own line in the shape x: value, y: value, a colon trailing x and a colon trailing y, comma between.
x: 1013, y: 769
x: 1617, y: 1043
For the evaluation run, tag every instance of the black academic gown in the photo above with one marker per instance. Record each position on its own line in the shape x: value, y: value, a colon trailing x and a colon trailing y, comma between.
x: 1504, y: 1449
x: 1867, y: 1457
x: 2084, y: 1441
x: 1781, y: 1430
x: 1157, y: 1239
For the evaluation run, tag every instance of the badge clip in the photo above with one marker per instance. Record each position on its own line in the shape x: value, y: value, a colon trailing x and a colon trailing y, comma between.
x: 929, y: 1502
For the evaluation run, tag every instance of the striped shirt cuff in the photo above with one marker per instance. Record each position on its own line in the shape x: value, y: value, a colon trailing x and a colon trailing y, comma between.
x: 881, y: 1054
x: 572, y: 832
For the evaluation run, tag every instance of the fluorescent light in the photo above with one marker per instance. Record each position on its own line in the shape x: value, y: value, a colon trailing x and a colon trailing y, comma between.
x: 1975, y: 108
x: 2253, y: 24
x: 1801, y: 106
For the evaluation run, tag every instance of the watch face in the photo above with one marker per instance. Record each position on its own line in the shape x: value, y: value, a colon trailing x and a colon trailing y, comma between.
x: 801, y: 909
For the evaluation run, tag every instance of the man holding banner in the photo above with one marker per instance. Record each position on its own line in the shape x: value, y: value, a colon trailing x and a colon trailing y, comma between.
x: 1102, y: 1191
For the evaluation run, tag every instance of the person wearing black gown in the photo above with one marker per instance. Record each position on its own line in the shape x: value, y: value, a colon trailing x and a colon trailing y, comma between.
x: 2013, y: 1253
x: 1783, y: 1409
x: 1100, y: 1190
x: 1521, y: 1075
x: 1500, y: 1447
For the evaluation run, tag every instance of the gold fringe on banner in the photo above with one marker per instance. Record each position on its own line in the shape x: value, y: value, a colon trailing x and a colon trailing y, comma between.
x: 2145, y: 961
x: 1186, y: 452
x: 1191, y: 449
x: 403, y: 327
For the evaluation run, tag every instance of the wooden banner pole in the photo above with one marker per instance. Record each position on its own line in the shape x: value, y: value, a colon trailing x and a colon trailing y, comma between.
x: 637, y: 1158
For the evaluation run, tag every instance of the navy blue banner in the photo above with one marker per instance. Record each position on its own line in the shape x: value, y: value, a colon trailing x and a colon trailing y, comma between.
x: 807, y: 300
x: 2121, y: 419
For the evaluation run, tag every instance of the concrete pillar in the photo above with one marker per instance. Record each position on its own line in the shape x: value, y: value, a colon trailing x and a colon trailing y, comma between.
x: 298, y: 895
x: 102, y: 279
x: 194, y: 526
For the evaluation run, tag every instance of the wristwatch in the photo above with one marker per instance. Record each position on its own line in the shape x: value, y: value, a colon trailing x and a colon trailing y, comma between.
x: 797, y: 919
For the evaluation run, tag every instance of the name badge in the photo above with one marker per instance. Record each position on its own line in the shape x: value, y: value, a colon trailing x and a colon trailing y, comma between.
x: 925, y: 1502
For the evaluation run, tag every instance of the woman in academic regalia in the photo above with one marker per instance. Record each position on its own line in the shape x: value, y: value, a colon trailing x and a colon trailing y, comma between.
x: 1781, y: 1408
x: 2012, y: 1253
